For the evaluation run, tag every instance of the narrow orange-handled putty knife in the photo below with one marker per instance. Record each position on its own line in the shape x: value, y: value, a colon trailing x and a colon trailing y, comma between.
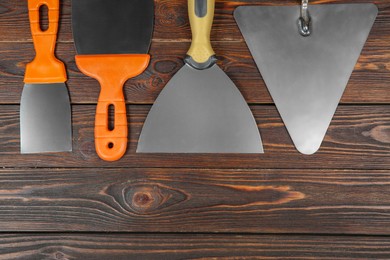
x: 45, y: 112
x: 112, y: 39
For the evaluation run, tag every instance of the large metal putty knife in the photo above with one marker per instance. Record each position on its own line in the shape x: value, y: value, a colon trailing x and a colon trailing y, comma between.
x: 45, y: 112
x: 200, y: 110
x: 306, y: 57
x: 112, y: 39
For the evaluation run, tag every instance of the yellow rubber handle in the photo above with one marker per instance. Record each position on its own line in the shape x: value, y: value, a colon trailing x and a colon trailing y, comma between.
x: 201, y: 14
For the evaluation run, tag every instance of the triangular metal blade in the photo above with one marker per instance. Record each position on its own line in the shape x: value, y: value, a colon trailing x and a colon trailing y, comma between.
x: 306, y: 76
x: 200, y: 111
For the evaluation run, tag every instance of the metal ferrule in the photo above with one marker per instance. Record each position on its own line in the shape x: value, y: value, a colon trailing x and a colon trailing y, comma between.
x: 200, y: 66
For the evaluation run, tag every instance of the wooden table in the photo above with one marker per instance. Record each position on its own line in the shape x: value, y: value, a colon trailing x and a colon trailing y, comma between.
x: 335, y: 203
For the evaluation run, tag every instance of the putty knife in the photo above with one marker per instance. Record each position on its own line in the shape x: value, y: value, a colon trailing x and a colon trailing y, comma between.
x: 200, y: 110
x: 306, y: 57
x: 112, y: 39
x: 45, y: 112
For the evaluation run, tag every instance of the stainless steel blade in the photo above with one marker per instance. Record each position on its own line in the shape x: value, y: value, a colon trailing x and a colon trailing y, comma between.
x: 200, y: 111
x: 306, y: 76
x: 45, y: 118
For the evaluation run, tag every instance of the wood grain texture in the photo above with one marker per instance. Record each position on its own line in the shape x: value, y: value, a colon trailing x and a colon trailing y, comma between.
x: 370, y: 83
x: 180, y: 200
x: 341, y: 190
x: 171, y: 19
x: 172, y: 247
x: 359, y: 138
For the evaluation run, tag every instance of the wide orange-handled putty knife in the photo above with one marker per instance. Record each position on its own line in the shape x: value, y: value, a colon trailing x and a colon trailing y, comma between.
x: 112, y: 39
x: 45, y: 112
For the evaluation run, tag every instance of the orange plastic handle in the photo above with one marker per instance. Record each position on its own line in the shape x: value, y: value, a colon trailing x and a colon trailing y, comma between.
x: 45, y: 68
x: 112, y: 71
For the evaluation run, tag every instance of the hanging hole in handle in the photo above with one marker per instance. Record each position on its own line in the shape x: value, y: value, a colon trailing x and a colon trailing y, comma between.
x: 44, y: 18
x: 304, y: 22
x: 111, y: 117
x: 110, y: 145
x: 304, y: 27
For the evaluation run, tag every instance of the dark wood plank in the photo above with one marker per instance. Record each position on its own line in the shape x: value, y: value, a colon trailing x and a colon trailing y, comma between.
x: 371, y: 71
x: 168, y: 199
x: 180, y: 200
x: 171, y: 19
x: 122, y: 246
x: 357, y: 139
x: 370, y: 83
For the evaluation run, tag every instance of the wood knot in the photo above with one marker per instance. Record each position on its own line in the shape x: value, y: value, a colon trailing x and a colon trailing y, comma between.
x: 379, y: 133
x: 147, y: 198
x: 142, y: 199
x: 87, y: 149
x: 170, y: 14
x: 157, y: 82
x: 167, y: 66
x: 60, y: 256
